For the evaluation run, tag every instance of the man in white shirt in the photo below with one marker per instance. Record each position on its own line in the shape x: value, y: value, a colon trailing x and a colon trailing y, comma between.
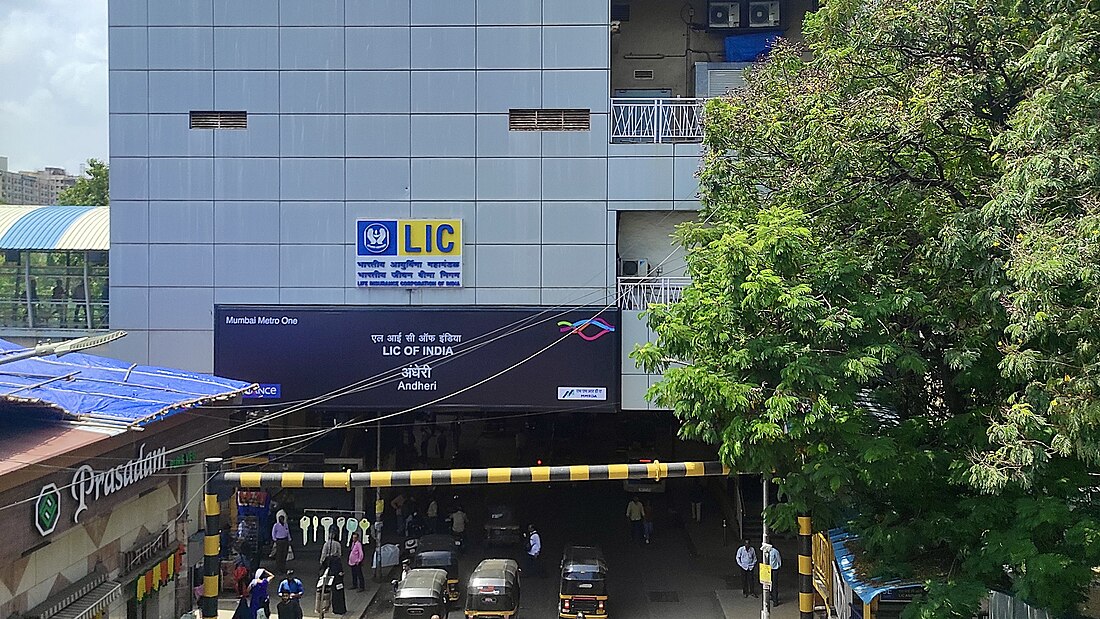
x: 458, y: 523
x: 534, y: 549
x: 746, y: 560
x: 773, y: 559
x: 280, y: 535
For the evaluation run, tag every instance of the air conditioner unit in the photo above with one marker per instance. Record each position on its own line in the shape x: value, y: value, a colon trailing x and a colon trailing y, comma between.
x: 724, y: 14
x: 634, y: 268
x: 764, y: 14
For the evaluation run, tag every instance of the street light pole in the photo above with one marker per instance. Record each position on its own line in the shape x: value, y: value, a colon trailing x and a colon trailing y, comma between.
x: 765, y: 556
x: 64, y: 348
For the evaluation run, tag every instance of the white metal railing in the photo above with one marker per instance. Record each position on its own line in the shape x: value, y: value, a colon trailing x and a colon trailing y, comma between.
x: 637, y: 293
x: 654, y: 121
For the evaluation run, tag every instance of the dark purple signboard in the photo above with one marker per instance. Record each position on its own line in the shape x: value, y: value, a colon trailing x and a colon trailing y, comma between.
x: 391, y: 358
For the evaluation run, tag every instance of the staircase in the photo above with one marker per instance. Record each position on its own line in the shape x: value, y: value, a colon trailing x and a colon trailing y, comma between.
x: 752, y: 506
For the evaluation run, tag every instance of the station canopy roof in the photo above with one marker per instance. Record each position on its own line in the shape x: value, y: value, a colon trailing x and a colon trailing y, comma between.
x: 866, y: 588
x: 55, y: 228
x: 103, y: 392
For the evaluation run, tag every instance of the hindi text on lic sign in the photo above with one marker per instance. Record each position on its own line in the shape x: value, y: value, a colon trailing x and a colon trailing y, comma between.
x: 423, y: 253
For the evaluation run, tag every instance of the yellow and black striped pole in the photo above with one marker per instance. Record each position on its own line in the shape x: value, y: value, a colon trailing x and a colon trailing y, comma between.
x: 457, y: 477
x: 805, y: 568
x: 211, y: 542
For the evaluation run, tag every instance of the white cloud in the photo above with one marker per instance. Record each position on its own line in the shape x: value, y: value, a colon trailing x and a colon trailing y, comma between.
x: 53, y: 82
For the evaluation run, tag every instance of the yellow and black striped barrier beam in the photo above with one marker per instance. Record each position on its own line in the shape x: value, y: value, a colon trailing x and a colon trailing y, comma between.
x: 460, y: 477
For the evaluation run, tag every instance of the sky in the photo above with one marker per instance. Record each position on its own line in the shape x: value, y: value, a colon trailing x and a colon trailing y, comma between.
x: 53, y: 82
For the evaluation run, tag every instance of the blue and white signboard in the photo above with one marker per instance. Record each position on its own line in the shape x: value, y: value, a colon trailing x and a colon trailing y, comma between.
x: 408, y: 253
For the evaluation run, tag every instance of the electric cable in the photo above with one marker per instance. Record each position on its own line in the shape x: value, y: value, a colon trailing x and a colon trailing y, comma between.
x: 358, y: 386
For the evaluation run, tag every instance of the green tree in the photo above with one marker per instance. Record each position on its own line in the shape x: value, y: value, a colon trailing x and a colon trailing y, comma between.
x: 896, y: 291
x: 90, y: 189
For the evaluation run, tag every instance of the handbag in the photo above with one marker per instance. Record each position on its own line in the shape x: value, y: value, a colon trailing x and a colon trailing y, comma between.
x: 272, y: 555
x: 290, y: 553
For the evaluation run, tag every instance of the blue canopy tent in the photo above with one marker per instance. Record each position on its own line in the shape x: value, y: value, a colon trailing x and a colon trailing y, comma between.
x: 106, y: 392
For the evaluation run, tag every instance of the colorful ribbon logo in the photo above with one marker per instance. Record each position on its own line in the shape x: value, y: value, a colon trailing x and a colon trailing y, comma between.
x: 578, y: 327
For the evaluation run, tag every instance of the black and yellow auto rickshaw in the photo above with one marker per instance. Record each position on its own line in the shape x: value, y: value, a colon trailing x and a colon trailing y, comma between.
x: 440, y: 551
x: 493, y: 590
x: 583, y: 583
x: 421, y: 593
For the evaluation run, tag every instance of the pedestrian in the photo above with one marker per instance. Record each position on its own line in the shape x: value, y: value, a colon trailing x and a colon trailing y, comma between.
x: 225, y: 541
x: 330, y: 549
x: 534, y: 549
x: 355, y: 562
x: 635, y: 513
x: 291, y: 591
x: 280, y: 536
x: 79, y: 296
x: 258, y: 595
x: 442, y: 445
x: 433, y: 445
x: 433, y: 515
x: 647, y: 520
x: 697, y: 496
x: 746, y: 561
x: 398, y: 505
x: 459, y: 520
x: 57, y: 299
x: 772, y: 558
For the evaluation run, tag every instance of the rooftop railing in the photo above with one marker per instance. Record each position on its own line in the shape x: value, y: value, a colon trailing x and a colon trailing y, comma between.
x: 638, y: 293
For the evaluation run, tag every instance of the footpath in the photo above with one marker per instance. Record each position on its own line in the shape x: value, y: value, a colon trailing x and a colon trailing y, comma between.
x: 709, y: 544
x: 306, y: 567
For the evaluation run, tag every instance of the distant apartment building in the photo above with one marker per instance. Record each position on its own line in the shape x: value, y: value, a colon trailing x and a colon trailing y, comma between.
x: 32, y: 187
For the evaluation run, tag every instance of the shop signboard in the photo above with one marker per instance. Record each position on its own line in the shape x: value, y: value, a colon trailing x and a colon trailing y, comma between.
x: 441, y: 359
x: 408, y: 253
x: 88, y: 485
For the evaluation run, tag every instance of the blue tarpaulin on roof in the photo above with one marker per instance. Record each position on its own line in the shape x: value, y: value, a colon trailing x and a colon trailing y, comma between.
x: 866, y: 588
x: 83, y: 387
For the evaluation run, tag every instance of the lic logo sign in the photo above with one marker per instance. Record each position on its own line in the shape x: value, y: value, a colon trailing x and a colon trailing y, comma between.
x: 377, y: 238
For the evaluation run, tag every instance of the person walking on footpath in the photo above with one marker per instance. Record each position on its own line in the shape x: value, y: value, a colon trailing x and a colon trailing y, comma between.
x: 773, y: 559
x: 355, y: 562
x: 697, y: 495
x: 331, y: 549
x: 280, y: 535
x: 635, y: 513
x: 257, y: 594
x: 746, y: 561
x: 290, y: 591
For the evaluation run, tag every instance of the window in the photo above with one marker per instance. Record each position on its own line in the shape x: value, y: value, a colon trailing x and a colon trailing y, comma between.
x: 549, y: 120
x: 219, y: 120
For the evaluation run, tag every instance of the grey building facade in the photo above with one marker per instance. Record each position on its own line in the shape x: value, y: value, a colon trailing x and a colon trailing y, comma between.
x: 363, y: 109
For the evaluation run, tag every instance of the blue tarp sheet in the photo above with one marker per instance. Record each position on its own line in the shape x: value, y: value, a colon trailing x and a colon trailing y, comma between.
x: 866, y: 588
x: 86, y: 387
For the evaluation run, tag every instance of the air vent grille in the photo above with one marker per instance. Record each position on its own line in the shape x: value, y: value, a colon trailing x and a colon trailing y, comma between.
x: 643, y: 74
x: 219, y: 120
x: 549, y: 120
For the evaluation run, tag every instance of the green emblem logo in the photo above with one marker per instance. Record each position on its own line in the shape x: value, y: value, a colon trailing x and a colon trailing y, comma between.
x: 47, y: 509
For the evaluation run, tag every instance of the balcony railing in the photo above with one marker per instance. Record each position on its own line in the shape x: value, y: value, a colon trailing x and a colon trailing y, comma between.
x: 637, y: 293
x: 656, y: 121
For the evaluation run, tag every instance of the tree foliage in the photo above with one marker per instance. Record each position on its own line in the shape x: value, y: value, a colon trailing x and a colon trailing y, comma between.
x: 896, y: 290
x: 90, y: 189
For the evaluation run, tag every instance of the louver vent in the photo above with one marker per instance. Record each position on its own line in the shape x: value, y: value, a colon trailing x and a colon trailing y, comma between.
x: 549, y: 120
x: 219, y: 120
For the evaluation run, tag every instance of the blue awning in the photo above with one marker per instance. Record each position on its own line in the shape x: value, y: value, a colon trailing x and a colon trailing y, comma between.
x: 80, y: 387
x: 55, y: 228
x: 866, y: 588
